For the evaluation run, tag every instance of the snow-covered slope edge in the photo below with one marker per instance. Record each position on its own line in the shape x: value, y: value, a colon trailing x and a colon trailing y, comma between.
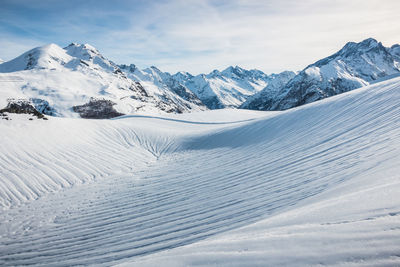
x: 210, y: 178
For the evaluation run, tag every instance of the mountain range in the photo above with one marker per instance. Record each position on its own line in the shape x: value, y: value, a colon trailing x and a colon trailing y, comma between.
x: 79, y: 81
x: 69, y: 81
x: 354, y: 66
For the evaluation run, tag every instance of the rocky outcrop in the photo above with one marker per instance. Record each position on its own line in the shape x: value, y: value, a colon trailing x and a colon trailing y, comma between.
x: 21, y: 106
x: 97, y: 109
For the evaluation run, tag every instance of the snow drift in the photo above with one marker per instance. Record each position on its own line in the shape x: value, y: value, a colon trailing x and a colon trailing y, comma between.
x: 324, y: 171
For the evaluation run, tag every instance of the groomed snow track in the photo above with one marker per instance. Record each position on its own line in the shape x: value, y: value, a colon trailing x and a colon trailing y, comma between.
x: 158, y: 184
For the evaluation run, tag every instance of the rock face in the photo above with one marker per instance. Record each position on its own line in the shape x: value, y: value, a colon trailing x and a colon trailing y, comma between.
x: 222, y: 89
x: 21, y: 107
x: 97, y: 109
x: 354, y: 66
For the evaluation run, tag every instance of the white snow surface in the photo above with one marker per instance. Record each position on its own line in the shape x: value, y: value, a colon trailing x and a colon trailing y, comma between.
x: 311, y: 186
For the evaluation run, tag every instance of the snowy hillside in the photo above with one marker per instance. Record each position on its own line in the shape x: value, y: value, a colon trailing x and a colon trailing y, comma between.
x: 354, y: 66
x: 77, y: 75
x: 314, y: 185
x: 228, y: 88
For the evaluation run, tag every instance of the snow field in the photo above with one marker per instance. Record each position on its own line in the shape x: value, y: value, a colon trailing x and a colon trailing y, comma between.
x: 315, y: 185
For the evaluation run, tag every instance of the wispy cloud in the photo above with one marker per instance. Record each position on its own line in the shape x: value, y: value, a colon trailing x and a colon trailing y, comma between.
x: 201, y: 35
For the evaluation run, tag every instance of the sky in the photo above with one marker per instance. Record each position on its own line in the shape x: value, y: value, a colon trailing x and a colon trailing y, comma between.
x: 199, y: 36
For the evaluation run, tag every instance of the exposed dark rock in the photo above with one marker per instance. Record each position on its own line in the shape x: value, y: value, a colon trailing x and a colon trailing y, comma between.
x: 138, y: 87
x: 21, y: 107
x: 84, y: 63
x: 31, y: 61
x: 97, y: 109
x: 213, y: 102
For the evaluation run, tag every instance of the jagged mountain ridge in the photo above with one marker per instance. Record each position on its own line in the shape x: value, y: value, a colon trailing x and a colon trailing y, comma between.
x: 354, y: 66
x: 155, y: 80
x: 151, y: 90
x: 227, y: 88
x: 75, y: 75
x: 270, y: 92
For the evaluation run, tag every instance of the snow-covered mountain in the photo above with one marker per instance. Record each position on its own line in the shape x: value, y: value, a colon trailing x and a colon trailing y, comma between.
x: 72, y: 79
x: 227, y: 88
x: 268, y: 95
x: 157, y: 82
x: 354, y: 66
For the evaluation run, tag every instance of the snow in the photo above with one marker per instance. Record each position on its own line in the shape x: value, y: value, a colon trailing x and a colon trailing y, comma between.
x: 227, y: 88
x: 71, y: 76
x: 49, y: 56
x: 270, y: 93
x: 354, y: 66
x: 313, y: 185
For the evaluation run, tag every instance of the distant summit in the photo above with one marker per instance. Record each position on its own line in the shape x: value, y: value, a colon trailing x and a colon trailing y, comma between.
x: 354, y: 66
x: 78, y: 77
x: 223, y: 89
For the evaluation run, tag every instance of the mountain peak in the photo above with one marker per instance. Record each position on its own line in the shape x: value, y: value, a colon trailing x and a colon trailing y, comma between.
x: 131, y: 68
x: 361, y: 47
x: 354, y: 66
x: 49, y: 56
x: 233, y: 69
x: 82, y: 51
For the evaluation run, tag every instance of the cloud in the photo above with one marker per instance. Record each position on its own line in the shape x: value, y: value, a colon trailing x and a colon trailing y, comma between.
x: 201, y: 35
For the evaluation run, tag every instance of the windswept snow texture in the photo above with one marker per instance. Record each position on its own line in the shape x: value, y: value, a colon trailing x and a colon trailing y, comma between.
x: 314, y: 185
x: 354, y: 66
x: 74, y: 75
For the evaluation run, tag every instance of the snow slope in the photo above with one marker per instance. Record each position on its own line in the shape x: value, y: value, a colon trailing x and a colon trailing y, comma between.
x: 71, y: 76
x: 314, y: 185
